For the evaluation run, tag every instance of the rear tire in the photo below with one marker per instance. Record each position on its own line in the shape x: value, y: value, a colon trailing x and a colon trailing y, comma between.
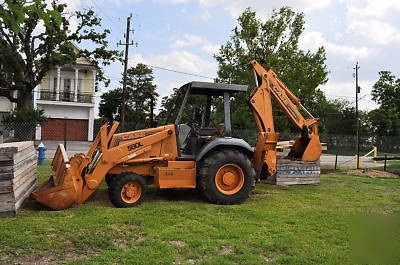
x: 127, y: 190
x: 226, y: 177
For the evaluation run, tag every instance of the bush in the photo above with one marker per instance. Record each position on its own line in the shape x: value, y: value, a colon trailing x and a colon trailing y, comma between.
x: 33, y: 116
x: 23, y: 122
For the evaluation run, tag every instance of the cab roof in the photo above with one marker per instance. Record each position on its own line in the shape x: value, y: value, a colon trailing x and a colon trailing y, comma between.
x: 213, y: 89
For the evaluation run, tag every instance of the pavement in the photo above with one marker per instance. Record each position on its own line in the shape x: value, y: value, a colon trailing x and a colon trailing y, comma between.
x: 74, y: 147
x: 348, y: 161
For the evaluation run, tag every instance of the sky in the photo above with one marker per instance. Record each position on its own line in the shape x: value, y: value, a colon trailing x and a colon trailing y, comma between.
x: 183, y: 35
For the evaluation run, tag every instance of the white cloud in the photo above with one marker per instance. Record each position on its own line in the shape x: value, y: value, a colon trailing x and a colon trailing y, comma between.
x: 189, y: 40
x: 177, y: 60
x: 209, y: 48
x: 335, y: 90
x: 313, y: 40
x: 371, y: 19
x: 235, y: 8
x: 378, y: 31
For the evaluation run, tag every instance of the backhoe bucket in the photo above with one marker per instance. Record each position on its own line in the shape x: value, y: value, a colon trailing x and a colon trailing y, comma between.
x: 64, y: 186
x: 306, y: 149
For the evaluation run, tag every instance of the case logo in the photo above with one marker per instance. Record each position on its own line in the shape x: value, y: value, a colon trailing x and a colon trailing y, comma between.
x: 134, y: 146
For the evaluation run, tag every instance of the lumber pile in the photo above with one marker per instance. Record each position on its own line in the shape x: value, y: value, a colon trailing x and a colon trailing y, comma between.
x: 282, y: 146
x: 291, y: 172
x: 17, y: 175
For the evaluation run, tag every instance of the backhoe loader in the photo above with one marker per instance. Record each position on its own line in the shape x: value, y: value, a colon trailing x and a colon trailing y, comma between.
x: 185, y: 154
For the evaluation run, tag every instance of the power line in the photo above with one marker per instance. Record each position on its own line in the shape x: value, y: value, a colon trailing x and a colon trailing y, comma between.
x: 177, y: 71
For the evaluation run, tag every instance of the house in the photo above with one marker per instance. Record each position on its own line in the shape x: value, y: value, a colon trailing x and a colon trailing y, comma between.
x: 6, y: 106
x: 66, y: 94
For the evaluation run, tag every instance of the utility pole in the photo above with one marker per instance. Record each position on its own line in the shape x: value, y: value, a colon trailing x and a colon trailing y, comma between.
x: 126, y: 44
x: 151, y: 110
x: 357, y: 119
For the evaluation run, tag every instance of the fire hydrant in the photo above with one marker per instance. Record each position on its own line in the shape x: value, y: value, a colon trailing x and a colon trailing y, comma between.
x: 41, y: 156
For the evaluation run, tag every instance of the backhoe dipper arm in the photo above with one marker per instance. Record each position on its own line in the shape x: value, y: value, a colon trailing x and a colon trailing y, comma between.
x: 260, y: 100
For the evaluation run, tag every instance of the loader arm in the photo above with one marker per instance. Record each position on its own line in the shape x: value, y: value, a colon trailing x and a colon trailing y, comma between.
x: 74, y: 180
x: 307, y: 146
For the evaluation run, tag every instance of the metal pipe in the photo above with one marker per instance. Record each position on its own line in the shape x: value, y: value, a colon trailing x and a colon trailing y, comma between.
x: 336, y: 162
x: 384, y: 167
x: 306, y: 111
x: 256, y: 77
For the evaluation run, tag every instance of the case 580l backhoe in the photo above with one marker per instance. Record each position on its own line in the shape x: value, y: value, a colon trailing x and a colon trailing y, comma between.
x: 184, y: 155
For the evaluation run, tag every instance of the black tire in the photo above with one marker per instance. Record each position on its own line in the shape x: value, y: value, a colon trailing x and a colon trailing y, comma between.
x: 109, y: 178
x: 209, y: 167
x: 118, y: 183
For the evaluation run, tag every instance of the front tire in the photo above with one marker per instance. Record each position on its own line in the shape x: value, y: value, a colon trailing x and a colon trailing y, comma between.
x: 226, y: 177
x: 127, y: 190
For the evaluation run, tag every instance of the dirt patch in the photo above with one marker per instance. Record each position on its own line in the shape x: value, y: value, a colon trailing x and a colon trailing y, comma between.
x: 372, y: 173
x: 265, y: 258
x: 45, y: 259
x: 121, y: 243
x: 226, y: 250
x: 178, y: 243
x: 140, y: 239
x: 132, y: 224
x: 327, y: 171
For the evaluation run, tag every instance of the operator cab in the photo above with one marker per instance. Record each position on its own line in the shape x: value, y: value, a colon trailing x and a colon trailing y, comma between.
x: 197, y: 123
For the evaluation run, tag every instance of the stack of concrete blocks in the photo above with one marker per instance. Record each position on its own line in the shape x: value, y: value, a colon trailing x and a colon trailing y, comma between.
x: 18, y: 164
x: 291, y: 172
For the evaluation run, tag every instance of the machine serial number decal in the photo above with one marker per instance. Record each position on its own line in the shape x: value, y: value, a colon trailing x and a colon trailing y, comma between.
x: 134, y: 146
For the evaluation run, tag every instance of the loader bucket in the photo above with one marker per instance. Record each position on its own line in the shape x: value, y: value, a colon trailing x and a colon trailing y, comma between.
x: 63, y: 188
x: 306, y: 149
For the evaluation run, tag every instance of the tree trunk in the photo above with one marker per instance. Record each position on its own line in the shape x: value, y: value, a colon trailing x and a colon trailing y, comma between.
x: 25, y: 99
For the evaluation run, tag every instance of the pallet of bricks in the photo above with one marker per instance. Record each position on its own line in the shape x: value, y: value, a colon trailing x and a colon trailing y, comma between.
x: 291, y: 172
x: 17, y: 175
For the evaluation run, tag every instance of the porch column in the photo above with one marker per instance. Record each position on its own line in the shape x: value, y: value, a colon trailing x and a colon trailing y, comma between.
x: 94, y: 81
x: 76, y: 85
x: 90, y: 124
x: 58, y: 83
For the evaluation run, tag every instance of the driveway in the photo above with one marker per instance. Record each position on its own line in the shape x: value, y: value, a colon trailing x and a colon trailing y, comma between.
x: 72, y: 147
x: 348, y: 161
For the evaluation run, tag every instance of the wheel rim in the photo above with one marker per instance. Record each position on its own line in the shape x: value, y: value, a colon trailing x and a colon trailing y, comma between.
x: 131, y: 192
x: 229, y: 179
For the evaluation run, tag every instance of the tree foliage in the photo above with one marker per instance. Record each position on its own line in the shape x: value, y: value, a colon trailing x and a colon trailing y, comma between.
x: 36, y: 35
x: 140, y: 90
x: 276, y: 42
x: 385, y: 121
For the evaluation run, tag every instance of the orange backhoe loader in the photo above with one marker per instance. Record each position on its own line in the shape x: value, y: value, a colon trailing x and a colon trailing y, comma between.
x: 185, y: 154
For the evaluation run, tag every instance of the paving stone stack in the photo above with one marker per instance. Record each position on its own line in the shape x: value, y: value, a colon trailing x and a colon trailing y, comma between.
x: 17, y: 175
x: 291, y: 172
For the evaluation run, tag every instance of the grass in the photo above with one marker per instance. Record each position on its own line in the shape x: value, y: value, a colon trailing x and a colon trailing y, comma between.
x: 276, y: 225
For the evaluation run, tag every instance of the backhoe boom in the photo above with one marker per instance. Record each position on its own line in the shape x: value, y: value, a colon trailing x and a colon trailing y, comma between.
x: 307, y: 146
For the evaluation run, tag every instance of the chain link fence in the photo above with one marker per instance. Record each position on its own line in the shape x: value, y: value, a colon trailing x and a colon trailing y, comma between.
x: 340, y: 149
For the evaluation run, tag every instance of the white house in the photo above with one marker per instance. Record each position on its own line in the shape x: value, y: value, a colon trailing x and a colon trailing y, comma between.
x: 66, y: 94
x: 6, y: 106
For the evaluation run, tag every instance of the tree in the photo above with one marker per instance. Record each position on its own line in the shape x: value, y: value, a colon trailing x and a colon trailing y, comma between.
x: 274, y: 41
x: 385, y: 121
x: 36, y: 36
x: 339, y: 118
x: 141, y: 96
x: 194, y: 110
x: 386, y: 90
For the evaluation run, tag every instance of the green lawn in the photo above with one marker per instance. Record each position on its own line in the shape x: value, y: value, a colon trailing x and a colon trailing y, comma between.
x: 276, y: 225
